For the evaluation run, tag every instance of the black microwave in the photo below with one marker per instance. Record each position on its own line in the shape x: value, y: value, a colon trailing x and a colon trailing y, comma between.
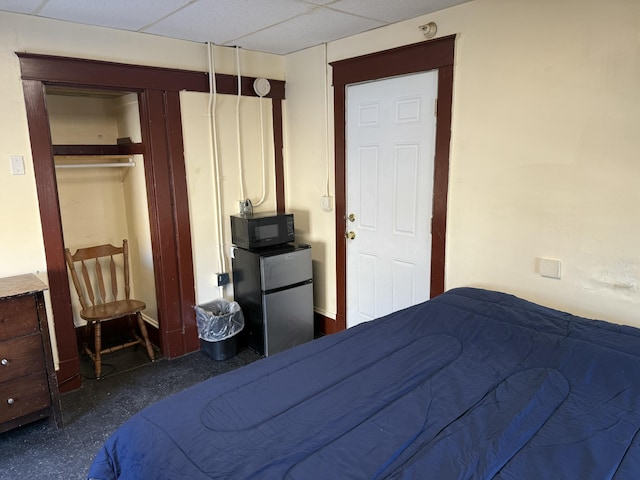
x: 262, y: 230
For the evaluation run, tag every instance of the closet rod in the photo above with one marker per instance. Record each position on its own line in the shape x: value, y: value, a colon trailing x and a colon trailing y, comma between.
x: 130, y: 163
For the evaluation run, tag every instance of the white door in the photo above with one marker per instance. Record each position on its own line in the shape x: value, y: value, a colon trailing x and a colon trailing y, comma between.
x: 391, y: 129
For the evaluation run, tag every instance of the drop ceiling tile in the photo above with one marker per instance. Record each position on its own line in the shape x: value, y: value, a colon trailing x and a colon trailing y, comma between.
x: 220, y: 21
x: 317, y: 27
x: 122, y: 14
x: 388, y: 11
x: 272, y: 26
x: 320, y: 2
x: 20, y: 6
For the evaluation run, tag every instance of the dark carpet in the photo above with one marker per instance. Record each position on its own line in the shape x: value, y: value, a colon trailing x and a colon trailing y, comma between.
x: 90, y: 414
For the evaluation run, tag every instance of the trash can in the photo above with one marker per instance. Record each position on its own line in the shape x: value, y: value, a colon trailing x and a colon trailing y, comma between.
x: 219, y: 323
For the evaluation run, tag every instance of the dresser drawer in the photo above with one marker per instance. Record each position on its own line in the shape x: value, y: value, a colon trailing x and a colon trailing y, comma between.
x: 22, y: 396
x: 21, y: 356
x: 18, y: 316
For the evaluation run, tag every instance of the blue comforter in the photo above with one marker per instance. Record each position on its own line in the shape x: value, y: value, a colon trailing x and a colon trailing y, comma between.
x: 472, y: 384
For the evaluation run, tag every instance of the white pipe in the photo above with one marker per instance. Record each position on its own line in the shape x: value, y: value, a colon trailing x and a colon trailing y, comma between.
x: 130, y: 163
x: 264, y: 167
x: 213, y: 150
x: 239, y: 142
x: 326, y: 115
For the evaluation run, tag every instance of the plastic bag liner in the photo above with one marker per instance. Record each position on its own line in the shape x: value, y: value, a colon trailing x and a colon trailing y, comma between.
x: 219, y: 320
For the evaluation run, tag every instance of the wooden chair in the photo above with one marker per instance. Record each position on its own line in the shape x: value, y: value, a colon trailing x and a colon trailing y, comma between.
x: 102, y: 306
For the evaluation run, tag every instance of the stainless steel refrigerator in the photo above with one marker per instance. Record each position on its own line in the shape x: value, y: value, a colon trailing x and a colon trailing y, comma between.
x: 274, y: 288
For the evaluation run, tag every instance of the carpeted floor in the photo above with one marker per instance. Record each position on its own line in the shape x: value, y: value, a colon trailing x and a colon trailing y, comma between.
x: 130, y: 383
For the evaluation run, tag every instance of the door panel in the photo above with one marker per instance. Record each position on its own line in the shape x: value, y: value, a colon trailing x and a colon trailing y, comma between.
x: 368, y: 184
x: 390, y: 159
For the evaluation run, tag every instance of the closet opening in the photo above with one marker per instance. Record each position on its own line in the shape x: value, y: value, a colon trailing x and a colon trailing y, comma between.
x: 102, y: 196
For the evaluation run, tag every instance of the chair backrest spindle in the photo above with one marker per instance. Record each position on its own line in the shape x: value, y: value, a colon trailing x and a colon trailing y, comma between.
x: 102, y: 296
x: 114, y: 278
x: 87, y: 283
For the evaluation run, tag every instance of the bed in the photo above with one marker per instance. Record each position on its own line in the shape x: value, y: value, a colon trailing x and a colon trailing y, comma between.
x: 471, y: 384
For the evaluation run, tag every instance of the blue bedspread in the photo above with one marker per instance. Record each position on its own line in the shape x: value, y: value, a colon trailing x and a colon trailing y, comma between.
x: 472, y: 384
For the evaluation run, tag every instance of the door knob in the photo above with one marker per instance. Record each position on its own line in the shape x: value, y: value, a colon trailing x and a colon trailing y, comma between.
x: 4, y: 361
x: 350, y: 235
x: 351, y: 217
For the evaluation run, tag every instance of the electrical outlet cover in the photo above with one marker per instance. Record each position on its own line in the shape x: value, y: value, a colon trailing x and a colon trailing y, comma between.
x: 17, y: 164
x: 325, y: 202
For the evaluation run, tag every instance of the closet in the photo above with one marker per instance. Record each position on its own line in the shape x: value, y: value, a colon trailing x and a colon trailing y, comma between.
x: 100, y: 178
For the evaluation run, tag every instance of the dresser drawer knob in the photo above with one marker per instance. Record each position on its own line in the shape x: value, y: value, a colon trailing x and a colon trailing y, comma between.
x: 10, y: 401
x: 4, y: 361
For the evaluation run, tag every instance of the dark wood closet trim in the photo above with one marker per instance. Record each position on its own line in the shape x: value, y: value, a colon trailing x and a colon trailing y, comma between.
x: 162, y: 146
x: 419, y: 57
x: 278, y: 154
x: 98, y: 150
x: 81, y: 72
x: 171, y: 237
x: 68, y: 366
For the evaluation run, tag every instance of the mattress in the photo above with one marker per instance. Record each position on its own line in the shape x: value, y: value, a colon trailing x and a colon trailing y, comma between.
x: 471, y: 384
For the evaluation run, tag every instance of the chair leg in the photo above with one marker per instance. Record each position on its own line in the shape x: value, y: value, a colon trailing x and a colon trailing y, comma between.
x: 97, y: 359
x: 145, y: 336
x: 88, y: 333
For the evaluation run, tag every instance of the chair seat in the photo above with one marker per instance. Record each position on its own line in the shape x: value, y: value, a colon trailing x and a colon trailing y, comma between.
x: 111, y: 310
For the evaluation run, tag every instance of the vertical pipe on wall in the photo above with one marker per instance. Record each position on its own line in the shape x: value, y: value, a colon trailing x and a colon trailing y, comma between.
x: 238, y: 136
x: 264, y: 167
x: 326, y: 115
x: 213, y: 149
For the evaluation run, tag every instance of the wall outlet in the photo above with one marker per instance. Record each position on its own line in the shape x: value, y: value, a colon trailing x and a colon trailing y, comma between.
x: 549, y: 268
x: 326, y: 203
x: 222, y: 279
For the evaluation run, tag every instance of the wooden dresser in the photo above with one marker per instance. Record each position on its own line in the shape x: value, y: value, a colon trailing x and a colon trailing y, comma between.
x: 28, y: 384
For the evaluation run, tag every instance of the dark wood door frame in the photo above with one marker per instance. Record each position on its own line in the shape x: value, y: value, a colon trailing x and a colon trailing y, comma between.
x: 420, y: 57
x: 158, y: 92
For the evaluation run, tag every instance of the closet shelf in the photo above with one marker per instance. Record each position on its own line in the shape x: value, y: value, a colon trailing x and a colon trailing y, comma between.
x: 111, y: 154
x: 123, y: 150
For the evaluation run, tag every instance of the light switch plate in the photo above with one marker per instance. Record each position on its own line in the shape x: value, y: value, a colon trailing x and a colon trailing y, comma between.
x: 17, y: 164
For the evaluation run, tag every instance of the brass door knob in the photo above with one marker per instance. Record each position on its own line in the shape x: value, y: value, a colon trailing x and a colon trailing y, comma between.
x: 350, y: 235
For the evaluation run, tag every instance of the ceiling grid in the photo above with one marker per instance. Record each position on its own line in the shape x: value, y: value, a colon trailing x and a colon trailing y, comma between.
x: 269, y: 26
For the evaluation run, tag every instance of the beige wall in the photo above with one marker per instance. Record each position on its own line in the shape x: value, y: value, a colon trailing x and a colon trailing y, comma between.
x: 308, y: 162
x: 544, y: 149
x: 202, y: 185
x: 143, y: 285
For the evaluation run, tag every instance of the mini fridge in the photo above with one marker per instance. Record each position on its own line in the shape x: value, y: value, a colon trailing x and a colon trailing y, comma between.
x: 274, y: 288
